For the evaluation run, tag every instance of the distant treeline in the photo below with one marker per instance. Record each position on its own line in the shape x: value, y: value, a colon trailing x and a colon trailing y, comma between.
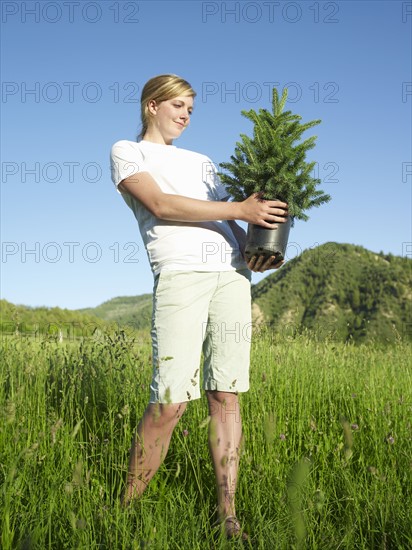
x: 339, y: 292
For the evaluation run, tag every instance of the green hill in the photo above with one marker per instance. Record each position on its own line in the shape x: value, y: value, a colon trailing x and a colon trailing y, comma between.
x: 342, y: 290
x: 339, y: 291
x: 135, y: 311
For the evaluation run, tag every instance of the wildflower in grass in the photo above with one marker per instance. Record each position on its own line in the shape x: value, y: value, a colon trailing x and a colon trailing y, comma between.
x: 31, y: 450
x: 185, y: 433
x: 348, y: 440
x: 354, y: 427
x: 269, y: 427
x: 390, y: 439
x: 282, y: 437
x: 77, y: 480
x: 296, y: 487
x: 375, y: 472
x: 319, y: 499
x: 54, y: 429
x: 10, y: 412
x: 168, y: 399
x: 81, y: 523
x: 205, y: 422
x: 76, y: 428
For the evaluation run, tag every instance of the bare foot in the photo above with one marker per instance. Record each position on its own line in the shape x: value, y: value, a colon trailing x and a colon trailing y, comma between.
x: 233, y: 529
x: 128, y: 494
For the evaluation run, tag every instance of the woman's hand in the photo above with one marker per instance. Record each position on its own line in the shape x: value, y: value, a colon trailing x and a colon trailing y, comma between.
x: 262, y: 212
x: 263, y: 263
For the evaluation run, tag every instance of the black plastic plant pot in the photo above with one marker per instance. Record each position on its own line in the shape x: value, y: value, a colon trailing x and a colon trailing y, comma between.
x: 269, y: 242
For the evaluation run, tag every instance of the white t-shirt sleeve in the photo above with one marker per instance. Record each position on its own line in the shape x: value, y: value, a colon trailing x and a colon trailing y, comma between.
x: 126, y: 159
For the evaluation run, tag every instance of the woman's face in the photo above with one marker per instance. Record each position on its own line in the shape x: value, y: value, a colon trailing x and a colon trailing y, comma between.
x: 169, y: 118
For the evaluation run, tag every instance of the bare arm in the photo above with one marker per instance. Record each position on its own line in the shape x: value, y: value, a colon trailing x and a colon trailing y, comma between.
x: 178, y: 208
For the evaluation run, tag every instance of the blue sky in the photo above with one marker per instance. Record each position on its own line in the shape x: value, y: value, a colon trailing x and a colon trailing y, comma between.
x: 72, y: 73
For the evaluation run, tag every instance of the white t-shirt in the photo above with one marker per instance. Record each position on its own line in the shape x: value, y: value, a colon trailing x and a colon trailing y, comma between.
x: 193, y: 246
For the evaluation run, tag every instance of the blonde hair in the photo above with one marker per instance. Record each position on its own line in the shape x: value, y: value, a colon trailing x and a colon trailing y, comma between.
x: 161, y: 88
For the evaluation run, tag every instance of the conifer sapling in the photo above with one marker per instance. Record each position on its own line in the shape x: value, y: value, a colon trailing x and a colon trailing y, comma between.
x: 273, y: 162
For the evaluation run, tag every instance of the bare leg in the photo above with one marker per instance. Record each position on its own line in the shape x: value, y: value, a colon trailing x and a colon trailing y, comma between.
x: 225, y: 432
x: 150, y: 445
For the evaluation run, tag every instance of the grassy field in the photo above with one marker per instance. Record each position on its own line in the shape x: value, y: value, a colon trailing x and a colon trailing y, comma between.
x: 326, y: 461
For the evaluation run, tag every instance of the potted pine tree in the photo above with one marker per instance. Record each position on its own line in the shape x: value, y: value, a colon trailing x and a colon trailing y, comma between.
x: 273, y: 164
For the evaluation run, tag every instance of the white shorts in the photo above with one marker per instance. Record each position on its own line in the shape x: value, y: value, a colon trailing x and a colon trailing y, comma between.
x: 200, y: 311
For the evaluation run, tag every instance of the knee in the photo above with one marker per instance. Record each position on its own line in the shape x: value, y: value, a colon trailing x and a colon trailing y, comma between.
x: 223, y: 403
x: 166, y: 414
x: 222, y: 398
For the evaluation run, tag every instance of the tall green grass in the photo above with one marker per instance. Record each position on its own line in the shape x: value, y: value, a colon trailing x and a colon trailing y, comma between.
x: 326, y: 460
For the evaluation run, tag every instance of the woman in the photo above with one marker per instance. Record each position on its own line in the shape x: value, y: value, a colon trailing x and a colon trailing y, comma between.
x: 201, y: 294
